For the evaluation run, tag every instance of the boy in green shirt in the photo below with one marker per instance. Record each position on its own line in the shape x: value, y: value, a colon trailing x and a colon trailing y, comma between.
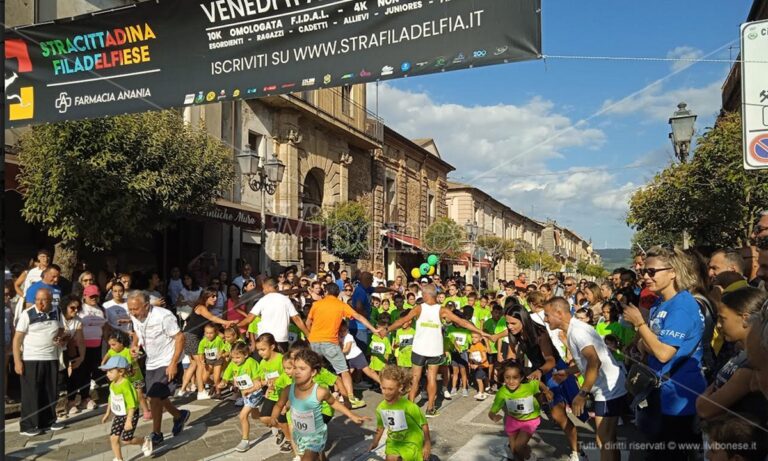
x: 118, y: 342
x: 480, y: 310
x: 410, y: 301
x: 459, y: 339
x: 123, y: 403
x: 494, y: 325
x: 380, y: 348
x: 403, y: 345
x: 244, y: 372
x: 210, y: 348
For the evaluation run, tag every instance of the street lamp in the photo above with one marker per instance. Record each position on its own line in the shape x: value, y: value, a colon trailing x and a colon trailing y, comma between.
x: 682, y: 121
x: 471, y: 230
x: 262, y: 177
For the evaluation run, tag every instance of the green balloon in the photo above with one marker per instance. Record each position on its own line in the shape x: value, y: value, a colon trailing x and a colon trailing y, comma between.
x: 424, y: 269
x: 432, y: 260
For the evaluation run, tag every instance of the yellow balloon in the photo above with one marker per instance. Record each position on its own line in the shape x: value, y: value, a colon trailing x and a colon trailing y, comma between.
x: 415, y: 272
x: 431, y: 270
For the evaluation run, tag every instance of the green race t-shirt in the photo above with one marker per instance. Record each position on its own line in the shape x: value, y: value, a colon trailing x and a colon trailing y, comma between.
x: 122, y: 397
x: 625, y: 334
x: 459, y: 338
x: 227, y: 348
x: 480, y: 315
x: 243, y: 375
x: 493, y: 327
x: 520, y: 404
x: 404, y: 340
x: 210, y: 350
x: 460, y: 301
x: 270, y: 370
x: 327, y: 379
x: 380, y: 349
x: 404, y: 423
x: 136, y: 375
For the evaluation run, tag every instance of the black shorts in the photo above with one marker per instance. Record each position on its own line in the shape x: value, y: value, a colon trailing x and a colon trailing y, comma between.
x: 119, y: 422
x: 266, y: 407
x: 421, y: 361
x: 614, y: 407
x: 459, y: 359
x: 358, y: 363
x: 214, y: 363
x: 157, y: 383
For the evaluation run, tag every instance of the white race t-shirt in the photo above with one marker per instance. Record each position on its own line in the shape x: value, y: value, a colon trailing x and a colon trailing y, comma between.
x: 156, y: 333
x: 93, y: 320
x: 117, y: 312
x: 40, y: 330
x: 354, y: 351
x: 610, y: 379
x: 276, y: 311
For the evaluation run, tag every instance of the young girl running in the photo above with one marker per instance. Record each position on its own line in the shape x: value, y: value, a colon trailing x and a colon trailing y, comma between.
x: 407, y: 428
x: 210, y: 349
x: 521, y: 409
x: 244, y: 371
x: 270, y: 369
x: 118, y: 346
x: 122, y: 403
x: 310, y: 431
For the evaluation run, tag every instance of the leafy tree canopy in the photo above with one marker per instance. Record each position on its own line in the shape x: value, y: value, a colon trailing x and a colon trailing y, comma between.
x: 347, y: 226
x: 496, y: 248
x: 445, y: 237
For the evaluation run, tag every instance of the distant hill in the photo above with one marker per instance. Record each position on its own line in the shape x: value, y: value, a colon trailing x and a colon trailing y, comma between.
x: 615, y: 257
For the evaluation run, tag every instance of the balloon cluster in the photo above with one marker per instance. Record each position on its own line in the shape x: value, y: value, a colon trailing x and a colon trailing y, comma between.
x: 427, y: 268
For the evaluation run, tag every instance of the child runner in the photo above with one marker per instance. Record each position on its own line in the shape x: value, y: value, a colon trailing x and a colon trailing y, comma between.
x: 244, y: 371
x: 410, y: 301
x: 210, y: 349
x: 494, y: 325
x: 270, y: 369
x: 480, y: 309
x: 380, y: 347
x: 407, y: 428
x: 521, y: 409
x: 355, y: 357
x: 403, y: 345
x: 478, y: 364
x: 231, y: 337
x: 122, y: 403
x: 459, y: 339
x: 309, y: 431
x: 118, y: 343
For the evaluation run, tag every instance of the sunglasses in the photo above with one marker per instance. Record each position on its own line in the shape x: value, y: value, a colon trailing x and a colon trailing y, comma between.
x: 87, y: 280
x: 651, y: 272
x: 569, y: 284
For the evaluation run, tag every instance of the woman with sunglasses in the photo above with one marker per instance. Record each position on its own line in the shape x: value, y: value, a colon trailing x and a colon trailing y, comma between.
x: 74, y: 353
x: 95, y: 328
x: 672, y: 336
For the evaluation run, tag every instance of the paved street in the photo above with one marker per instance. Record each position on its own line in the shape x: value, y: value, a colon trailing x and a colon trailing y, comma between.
x: 462, y: 432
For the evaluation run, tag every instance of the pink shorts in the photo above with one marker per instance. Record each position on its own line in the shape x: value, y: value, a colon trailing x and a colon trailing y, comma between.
x: 513, y: 426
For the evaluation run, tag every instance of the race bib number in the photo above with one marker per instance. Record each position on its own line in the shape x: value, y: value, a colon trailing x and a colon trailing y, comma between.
x: 476, y: 356
x: 406, y: 341
x: 303, y: 421
x: 117, y: 404
x: 243, y: 382
x: 460, y: 339
x: 211, y: 354
x: 378, y: 348
x: 523, y: 406
x: 272, y: 375
x: 394, y: 420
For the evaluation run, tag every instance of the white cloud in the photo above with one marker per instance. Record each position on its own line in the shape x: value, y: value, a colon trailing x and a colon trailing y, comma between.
x: 659, y: 103
x: 688, y: 53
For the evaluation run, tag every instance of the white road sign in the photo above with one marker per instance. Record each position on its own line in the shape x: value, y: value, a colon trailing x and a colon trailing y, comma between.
x: 754, y: 93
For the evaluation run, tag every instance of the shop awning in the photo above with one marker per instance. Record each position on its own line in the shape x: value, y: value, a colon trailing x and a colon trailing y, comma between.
x: 243, y: 216
x: 397, y: 241
x: 463, y: 259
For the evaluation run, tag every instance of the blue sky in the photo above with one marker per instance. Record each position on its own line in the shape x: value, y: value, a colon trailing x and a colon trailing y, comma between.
x: 572, y: 139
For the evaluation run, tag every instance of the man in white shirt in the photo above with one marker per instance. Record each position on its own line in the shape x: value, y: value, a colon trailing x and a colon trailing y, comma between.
x: 603, y: 377
x: 277, y: 312
x: 38, y: 333
x: 158, y: 332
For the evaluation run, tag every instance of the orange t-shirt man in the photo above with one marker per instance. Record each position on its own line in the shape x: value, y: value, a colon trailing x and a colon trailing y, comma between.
x: 326, y: 316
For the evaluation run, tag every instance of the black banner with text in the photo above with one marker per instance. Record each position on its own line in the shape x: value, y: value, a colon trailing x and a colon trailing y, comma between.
x: 173, y: 53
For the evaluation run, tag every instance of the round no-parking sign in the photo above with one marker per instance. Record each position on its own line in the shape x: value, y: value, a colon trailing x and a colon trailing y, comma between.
x: 758, y: 149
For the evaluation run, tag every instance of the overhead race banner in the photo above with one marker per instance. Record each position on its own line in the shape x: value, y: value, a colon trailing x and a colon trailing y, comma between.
x: 174, y: 53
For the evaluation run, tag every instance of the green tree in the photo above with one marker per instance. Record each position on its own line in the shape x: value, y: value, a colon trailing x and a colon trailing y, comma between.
x: 597, y: 271
x: 347, y: 227
x: 581, y: 266
x: 96, y: 182
x: 445, y: 237
x: 496, y: 248
x: 713, y: 197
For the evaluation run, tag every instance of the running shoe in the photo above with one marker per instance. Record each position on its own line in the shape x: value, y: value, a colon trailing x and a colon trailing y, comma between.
x: 431, y: 413
x: 147, y: 447
x: 356, y: 403
x: 57, y: 426
x: 481, y: 396
x: 204, y: 395
x: 286, y: 447
x: 178, y: 424
x: 31, y: 432
x: 446, y: 395
x: 244, y: 445
x: 90, y: 405
x: 279, y: 438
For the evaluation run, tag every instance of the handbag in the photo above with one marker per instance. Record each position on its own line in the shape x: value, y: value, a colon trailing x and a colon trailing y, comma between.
x: 642, y: 380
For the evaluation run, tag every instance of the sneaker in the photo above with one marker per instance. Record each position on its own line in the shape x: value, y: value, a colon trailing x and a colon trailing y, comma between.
x: 204, y: 395
x: 574, y: 456
x: 180, y: 393
x: 239, y: 402
x: 178, y: 424
x: 279, y: 438
x: 74, y: 410
x: 356, y: 403
x: 446, y: 395
x: 147, y: 447
x: 453, y: 392
x: 465, y: 392
x: 147, y: 416
x: 156, y: 438
x: 481, y: 396
x: 90, y: 405
x: 57, y: 426
x: 431, y: 413
x: 286, y: 447
x: 31, y: 432
x: 244, y: 445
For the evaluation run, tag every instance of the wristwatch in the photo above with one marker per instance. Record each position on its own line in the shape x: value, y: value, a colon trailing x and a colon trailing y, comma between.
x: 582, y: 393
x: 638, y: 327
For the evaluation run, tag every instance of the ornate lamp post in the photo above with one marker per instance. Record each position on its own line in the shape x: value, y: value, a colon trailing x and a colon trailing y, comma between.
x: 262, y: 177
x: 682, y: 121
